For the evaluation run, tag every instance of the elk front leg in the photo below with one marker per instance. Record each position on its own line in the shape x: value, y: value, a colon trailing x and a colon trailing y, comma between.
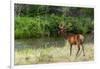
x: 78, y: 49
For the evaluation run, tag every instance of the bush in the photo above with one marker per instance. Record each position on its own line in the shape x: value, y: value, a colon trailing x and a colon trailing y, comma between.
x: 39, y: 26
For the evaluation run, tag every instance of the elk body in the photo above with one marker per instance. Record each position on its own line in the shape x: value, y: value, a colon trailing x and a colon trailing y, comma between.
x: 73, y: 39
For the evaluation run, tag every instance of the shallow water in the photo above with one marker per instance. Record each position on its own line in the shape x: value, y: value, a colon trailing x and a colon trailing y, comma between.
x: 38, y: 43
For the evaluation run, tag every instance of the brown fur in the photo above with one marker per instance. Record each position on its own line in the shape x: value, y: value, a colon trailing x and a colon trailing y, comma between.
x: 73, y: 39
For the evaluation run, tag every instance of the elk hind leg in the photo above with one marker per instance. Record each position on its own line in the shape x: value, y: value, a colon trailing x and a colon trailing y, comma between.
x: 70, y: 49
x: 83, y: 50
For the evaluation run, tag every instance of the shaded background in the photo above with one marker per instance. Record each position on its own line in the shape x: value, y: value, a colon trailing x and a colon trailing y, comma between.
x: 35, y: 21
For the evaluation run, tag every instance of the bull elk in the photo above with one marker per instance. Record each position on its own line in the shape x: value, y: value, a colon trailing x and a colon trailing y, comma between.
x: 73, y: 39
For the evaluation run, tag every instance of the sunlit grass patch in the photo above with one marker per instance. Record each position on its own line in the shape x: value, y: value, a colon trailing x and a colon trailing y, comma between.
x: 52, y: 54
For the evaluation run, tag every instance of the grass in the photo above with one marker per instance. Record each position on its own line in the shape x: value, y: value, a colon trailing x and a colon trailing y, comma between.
x: 39, y: 51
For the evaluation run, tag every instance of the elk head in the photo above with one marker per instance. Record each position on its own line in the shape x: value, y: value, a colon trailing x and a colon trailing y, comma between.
x: 62, y: 29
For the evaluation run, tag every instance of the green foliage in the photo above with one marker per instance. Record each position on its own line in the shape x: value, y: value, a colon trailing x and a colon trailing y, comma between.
x: 33, y: 21
x: 29, y: 27
x: 82, y: 25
